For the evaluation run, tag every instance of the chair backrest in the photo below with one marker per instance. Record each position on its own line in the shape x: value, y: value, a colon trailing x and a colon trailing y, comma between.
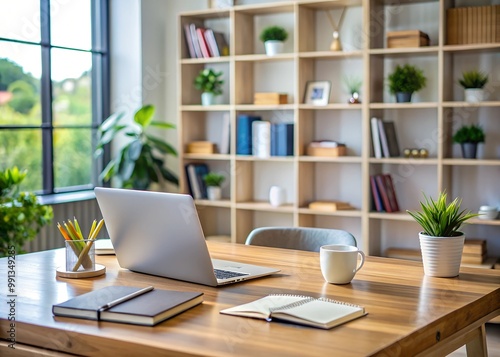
x: 300, y: 238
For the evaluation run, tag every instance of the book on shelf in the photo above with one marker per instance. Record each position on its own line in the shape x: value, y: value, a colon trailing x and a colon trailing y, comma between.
x: 304, y: 310
x: 385, y: 187
x: 149, y: 308
x: 221, y: 43
x: 103, y: 247
x: 189, y: 41
x: 194, y: 177
x: 210, y: 41
x: 261, y: 138
x: 194, y: 40
x: 377, y: 199
x: 391, y: 192
x: 225, y: 140
x: 390, y: 143
x: 377, y: 148
x: 244, y: 133
x: 282, y: 139
x: 203, y: 44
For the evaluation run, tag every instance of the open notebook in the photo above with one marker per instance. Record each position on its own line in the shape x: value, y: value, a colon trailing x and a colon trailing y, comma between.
x: 322, y: 313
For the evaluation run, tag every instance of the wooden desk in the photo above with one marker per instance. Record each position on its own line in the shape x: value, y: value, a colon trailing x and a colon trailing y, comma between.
x: 409, y: 313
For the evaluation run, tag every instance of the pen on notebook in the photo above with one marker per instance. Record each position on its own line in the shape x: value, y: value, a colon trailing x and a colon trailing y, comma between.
x: 125, y: 298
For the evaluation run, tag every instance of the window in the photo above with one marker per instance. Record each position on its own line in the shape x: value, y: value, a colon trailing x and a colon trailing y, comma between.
x: 54, y: 90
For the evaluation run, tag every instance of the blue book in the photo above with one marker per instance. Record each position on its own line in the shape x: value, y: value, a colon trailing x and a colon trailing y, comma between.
x: 244, y: 134
x: 283, y: 134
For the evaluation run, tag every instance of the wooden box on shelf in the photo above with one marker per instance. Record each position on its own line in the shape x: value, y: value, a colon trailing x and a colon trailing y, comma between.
x: 270, y: 98
x: 330, y: 206
x: 200, y: 147
x: 326, y: 151
x: 410, y: 38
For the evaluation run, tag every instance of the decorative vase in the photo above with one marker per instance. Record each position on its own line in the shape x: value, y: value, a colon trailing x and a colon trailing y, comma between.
x: 474, y: 95
x: 403, y: 97
x: 207, y: 98
x: 441, y: 255
x: 469, y: 150
x: 354, y: 98
x: 273, y: 47
x: 277, y: 196
x: 214, y: 193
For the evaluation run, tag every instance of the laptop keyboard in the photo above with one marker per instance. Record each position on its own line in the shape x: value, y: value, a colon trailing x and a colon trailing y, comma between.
x: 225, y: 274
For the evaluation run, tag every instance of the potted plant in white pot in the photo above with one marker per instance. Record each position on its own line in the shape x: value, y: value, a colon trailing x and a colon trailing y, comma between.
x: 473, y: 83
x: 469, y: 136
x: 405, y: 80
x: 273, y: 38
x: 209, y: 82
x: 441, y: 241
x: 214, y: 181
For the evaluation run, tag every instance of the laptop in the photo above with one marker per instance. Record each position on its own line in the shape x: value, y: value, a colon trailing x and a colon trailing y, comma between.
x: 160, y: 234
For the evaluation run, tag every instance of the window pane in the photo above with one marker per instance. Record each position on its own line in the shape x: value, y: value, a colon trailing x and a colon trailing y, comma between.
x: 20, y: 71
x: 20, y: 20
x: 71, y: 86
x: 73, y: 157
x: 70, y: 24
x: 23, y: 148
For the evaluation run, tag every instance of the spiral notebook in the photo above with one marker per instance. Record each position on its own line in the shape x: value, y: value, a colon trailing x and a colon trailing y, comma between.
x: 321, y: 313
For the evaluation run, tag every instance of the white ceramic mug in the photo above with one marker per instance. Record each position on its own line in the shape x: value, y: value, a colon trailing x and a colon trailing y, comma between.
x: 339, y: 262
x: 277, y: 196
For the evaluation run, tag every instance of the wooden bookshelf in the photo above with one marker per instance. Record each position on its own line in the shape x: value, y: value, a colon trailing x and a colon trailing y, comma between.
x: 429, y: 121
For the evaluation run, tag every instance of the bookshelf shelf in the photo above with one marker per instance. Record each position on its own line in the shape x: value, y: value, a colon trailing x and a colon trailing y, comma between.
x: 429, y: 121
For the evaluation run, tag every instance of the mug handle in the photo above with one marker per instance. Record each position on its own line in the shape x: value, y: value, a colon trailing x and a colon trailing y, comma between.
x: 362, y: 260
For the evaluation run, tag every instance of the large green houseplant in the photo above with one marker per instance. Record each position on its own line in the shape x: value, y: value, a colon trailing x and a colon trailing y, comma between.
x: 141, y: 161
x: 469, y: 136
x: 441, y: 240
x: 21, y: 215
x: 405, y: 80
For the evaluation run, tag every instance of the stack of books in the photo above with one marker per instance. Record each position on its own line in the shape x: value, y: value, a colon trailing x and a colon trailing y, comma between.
x: 383, y: 193
x: 204, y: 42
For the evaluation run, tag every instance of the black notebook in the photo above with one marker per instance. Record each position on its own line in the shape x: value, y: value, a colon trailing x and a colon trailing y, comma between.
x: 149, y: 308
x: 322, y: 313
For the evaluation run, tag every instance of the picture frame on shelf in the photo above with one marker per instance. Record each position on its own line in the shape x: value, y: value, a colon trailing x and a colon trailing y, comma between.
x: 317, y: 92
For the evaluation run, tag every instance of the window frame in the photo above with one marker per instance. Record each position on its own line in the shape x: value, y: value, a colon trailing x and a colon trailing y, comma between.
x: 100, y: 93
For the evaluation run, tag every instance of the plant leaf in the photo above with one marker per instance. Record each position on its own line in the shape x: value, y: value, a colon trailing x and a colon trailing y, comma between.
x: 144, y: 115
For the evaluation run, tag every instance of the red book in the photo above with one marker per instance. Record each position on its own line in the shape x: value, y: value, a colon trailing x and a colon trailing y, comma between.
x: 382, y: 188
x: 203, y: 42
x: 376, y: 195
x: 391, y: 193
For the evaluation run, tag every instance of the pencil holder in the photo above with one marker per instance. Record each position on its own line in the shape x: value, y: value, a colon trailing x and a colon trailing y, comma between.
x: 80, y: 255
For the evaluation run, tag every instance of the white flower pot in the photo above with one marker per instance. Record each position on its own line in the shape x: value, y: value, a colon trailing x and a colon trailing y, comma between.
x: 273, y: 47
x: 207, y: 98
x: 441, y: 255
x: 214, y: 193
x: 474, y: 95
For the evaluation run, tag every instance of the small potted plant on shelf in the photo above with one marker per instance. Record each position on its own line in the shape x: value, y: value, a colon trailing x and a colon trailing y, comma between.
x: 473, y: 83
x: 405, y: 80
x: 353, y: 85
x: 214, y: 181
x: 273, y: 38
x: 469, y: 136
x: 441, y: 241
x: 209, y: 82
